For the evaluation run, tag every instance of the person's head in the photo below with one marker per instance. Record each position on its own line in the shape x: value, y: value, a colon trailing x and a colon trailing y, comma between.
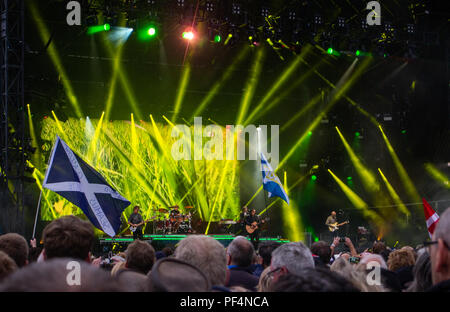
x: 205, y: 253
x: 167, y: 251
x: 253, y: 212
x: 15, y: 246
x: 136, y: 209
x: 118, y: 267
x: 52, y: 276
x: 367, y: 258
x: 312, y: 280
x: 422, y: 274
x: 7, y: 265
x: 68, y: 237
x: 378, y: 247
x: 245, y: 209
x: 440, y: 251
x: 333, y: 213
x: 265, y: 280
x: 265, y: 252
x: 140, y: 256
x: 341, y: 265
x: 291, y: 258
x: 322, y: 250
x: 400, y: 258
x: 240, y: 252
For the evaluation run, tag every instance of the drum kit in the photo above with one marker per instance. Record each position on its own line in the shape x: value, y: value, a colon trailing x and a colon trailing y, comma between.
x: 169, y: 222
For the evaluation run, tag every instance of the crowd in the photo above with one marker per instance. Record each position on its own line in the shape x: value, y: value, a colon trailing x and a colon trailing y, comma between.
x: 201, y: 263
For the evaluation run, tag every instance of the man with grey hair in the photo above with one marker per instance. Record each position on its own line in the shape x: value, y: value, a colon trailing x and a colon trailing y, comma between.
x: 291, y: 258
x: 439, y: 251
x: 240, y: 254
x: 207, y: 254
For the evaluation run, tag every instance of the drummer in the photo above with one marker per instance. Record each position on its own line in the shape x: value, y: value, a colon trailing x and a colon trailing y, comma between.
x: 175, y: 211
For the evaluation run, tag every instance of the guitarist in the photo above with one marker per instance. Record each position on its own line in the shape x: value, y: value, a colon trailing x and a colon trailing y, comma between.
x: 332, y: 220
x: 253, y: 219
x: 135, y: 219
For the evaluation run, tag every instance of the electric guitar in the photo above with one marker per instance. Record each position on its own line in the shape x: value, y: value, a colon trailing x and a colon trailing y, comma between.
x: 335, y: 226
x: 134, y: 228
x: 255, y: 225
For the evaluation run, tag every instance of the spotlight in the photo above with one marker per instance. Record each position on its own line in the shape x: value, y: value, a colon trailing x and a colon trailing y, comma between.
x: 410, y: 28
x: 188, y: 35
x: 317, y: 19
x: 151, y: 31
x: 341, y: 22
x: 217, y: 38
x: 106, y: 27
x: 209, y: 7
x: 236, y: 9
x: 349, y: 178
x: 264, y: 12
x: 314, y: 177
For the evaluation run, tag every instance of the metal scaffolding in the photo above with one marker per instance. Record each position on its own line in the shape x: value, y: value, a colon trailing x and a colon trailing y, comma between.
x: 12, y: 117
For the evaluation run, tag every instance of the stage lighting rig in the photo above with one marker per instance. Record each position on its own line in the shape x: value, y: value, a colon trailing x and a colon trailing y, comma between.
x: 236, y: 8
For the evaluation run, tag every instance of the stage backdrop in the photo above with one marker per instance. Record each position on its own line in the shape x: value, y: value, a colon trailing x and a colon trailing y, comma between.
x: 135, y: 158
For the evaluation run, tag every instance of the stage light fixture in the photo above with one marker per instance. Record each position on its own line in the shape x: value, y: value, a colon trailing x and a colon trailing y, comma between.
x: 292, y: 15
x: 151, y: 31
x: 236, y: 8
x: 341, y: 22
x: 314, y: 177
x: 332, y: 51
x: 265, y: 12
x: 217, y: 38
x: 357, y: 134
x: 188, y: 35
x: 209, y: 7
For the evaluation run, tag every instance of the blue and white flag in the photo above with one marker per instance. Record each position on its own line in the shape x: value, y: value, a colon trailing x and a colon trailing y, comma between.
x: 271, y: 183
x: 72, y: 178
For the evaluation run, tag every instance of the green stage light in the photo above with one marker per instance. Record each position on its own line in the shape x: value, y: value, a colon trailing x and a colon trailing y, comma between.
x: 151, y: 31
x: 357, y: 134
x: 217, y: 38
x: 314, y: 177
x: 316, y: 239
x: 349, y: 178
x: 403, y: 131
x: 332, y: 51
x: 188, y: 35
x: 310, y: 133
x: 362, y: 53
x: 98, y: 28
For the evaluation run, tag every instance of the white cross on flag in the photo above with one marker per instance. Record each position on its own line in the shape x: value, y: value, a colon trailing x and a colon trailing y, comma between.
x: 431, y: 217
x: 72, y: 178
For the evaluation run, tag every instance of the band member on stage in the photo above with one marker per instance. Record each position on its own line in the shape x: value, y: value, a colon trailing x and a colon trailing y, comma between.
x: 175, y: 211
x: 174, y: 222
x: 242, y: 217
x: 332, y: 220
x: 135, y: 220
x: 249, y: 220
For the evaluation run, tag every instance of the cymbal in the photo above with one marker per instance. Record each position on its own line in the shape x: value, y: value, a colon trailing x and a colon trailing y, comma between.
x: 188, y: 207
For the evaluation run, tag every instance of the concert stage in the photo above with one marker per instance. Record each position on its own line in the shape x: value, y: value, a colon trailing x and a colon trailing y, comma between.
x: 160, y: 241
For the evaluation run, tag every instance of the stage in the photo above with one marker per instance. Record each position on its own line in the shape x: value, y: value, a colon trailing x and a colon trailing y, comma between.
x: 160, y: 241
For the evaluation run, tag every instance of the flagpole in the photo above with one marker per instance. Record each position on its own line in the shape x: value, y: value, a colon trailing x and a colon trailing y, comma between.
x: 42, y: 189
x: 37, y: 213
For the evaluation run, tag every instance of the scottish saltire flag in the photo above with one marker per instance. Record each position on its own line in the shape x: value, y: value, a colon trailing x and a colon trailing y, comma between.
x: 72, y: 178
x: 271, y: 183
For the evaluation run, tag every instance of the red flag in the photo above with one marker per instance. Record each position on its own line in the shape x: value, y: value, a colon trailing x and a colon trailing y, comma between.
x: 431, y: 217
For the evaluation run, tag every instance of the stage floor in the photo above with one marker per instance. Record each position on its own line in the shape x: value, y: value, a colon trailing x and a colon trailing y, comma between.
x: 160, y: 240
